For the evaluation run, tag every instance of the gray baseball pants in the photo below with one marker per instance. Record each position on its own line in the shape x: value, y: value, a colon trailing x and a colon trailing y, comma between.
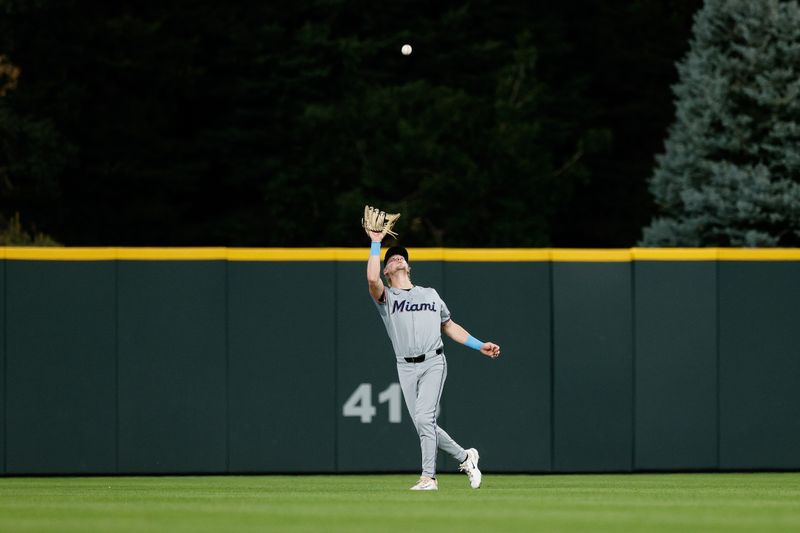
x: 422, y: 385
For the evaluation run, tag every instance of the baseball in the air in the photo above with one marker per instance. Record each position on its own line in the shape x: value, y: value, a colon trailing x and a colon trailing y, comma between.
x: 406, y: 49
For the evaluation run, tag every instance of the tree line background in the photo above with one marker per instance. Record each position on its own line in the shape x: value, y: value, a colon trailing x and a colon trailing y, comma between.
x: 192, y: 123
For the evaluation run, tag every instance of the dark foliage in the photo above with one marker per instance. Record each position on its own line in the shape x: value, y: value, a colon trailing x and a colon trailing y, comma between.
x: 258, y: 124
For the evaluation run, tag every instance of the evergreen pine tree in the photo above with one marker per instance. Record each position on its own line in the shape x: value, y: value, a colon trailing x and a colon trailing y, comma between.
x: 730, y: 173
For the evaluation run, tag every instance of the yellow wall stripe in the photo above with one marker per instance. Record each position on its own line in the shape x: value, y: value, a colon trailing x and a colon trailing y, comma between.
x: 297, y: 254
x: 675, y: 254
x: 599, y: 255
x: 172, y: 254
x: 496, y: 254
x: 33, y: 253
x: 759, y: 254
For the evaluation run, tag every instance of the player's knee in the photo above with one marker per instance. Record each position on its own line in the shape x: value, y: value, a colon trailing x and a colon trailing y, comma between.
x: 424, y: 421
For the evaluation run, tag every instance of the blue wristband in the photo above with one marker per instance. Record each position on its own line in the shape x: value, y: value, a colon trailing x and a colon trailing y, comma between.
x: 473, y: 343
x: 375, y: 249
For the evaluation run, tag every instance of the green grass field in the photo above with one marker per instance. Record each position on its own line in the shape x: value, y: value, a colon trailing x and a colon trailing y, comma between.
x: 666, y: 502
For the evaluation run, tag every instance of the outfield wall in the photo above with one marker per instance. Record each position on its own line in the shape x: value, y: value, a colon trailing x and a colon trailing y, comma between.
x: 246, y: 361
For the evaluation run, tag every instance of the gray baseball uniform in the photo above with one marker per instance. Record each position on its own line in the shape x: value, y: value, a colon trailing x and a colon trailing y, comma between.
x: 413, y: 320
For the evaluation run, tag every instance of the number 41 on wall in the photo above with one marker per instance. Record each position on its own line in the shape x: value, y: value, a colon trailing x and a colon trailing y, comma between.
x: 360, y: 403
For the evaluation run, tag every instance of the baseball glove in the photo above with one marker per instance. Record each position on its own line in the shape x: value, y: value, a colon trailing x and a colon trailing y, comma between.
x: 379, y: 221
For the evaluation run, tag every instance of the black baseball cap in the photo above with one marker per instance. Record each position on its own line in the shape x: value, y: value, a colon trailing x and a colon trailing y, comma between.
x: 395, y: 250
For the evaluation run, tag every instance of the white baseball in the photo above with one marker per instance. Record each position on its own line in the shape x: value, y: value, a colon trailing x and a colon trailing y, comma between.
x: 406, y: 49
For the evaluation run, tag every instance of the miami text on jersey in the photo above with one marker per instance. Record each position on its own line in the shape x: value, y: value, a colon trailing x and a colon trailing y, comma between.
x: 403, y: 305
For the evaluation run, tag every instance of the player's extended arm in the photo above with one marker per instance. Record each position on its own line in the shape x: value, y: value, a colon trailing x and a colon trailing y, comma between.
x: 460, y: 335
x: 374, y: 266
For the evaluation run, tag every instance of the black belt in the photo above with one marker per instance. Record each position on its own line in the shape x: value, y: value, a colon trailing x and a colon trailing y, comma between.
x: 421, y: 358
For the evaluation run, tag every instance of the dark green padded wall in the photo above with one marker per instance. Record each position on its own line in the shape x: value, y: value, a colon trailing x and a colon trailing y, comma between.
x: 3, y: 367
x: 365, y: 356
x: 172, y: 366
x: 676, y: 365
x: 593, y: 367
x: 759, y: 364
x: 281, y: 341
x: 216, y: 366
x: 502, y: 406
x: 60, y: 394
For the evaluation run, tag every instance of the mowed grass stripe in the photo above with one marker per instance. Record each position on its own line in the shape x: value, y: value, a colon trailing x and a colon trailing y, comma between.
x: 667, y: 502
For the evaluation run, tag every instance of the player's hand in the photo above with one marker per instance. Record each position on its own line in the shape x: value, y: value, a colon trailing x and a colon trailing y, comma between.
x: 376, y: 236
x: 490, y: 349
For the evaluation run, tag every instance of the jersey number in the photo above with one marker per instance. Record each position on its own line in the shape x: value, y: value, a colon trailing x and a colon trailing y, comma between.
x: 360, y: 403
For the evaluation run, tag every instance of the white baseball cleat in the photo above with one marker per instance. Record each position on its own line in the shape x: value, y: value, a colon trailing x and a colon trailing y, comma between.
x: 426, y: 483
x: 470, y: 466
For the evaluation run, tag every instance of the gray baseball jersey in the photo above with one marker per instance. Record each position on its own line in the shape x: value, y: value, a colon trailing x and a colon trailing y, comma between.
x: 413, y: 319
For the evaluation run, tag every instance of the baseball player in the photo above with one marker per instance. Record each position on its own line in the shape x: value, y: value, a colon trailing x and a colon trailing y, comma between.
x: 415, y: 317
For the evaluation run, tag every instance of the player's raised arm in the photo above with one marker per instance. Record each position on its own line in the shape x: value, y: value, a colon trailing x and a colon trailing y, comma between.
x: 377, y: 224
x: 461, y: 336
x: 374, y: 266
